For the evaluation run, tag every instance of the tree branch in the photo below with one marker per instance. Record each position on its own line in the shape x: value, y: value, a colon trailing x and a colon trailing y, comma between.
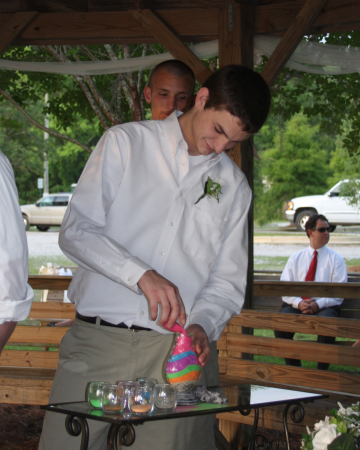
x: 42, y: 127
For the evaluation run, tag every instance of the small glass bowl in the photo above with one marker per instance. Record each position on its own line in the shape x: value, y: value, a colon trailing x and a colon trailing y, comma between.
x: 142, y: 400
x: 94, y: 393
x: 112, y: 399
x: 165, y: 397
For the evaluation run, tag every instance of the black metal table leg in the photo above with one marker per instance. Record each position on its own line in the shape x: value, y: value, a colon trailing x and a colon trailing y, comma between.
x: 297, y: 415
x: 78, y: 425
x: 122, y: 434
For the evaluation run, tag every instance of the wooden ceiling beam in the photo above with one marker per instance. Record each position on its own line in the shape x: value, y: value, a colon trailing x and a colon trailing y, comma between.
x: 291, y: 39
x: 14, y: 26
x: 172, y: 43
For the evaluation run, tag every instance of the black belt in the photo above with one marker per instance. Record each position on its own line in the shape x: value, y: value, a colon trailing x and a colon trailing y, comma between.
x: 108, y: 324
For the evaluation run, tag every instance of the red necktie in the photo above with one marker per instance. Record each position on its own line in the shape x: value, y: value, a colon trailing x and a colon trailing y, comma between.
x: 310, y: 276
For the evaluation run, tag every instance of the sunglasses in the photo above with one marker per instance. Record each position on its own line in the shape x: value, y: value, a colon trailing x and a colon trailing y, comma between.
x: 322, y: 229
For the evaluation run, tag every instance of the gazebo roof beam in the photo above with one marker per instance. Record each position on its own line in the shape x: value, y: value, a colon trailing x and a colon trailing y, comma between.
x: 172, y: 43
x: 286, y: 47
x: 14, y: 26
x: 189, y: 25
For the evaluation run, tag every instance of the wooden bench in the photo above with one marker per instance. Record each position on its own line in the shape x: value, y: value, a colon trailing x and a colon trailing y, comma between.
x: 237, y: 348
x: 26, y: 376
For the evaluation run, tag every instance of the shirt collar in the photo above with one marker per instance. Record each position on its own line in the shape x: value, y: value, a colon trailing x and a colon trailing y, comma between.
x: 319, y: 250
x: 175, y: 138
x: 172, y: 132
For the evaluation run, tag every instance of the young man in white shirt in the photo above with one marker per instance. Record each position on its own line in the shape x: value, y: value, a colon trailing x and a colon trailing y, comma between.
x: 170, y: 87
x: 16, y: 295
x: 330, y: 267
x: 150, y: 250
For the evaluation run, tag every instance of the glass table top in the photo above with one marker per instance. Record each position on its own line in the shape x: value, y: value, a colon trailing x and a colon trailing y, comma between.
x: 242, y: 397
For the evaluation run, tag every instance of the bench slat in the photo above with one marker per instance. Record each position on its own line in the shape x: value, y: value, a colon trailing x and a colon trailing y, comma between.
x: 37, y: 335
x: 29, y: 358
x: 345, y: 328
x: 257, y: 372
x: 256, y: 345
x: 44, y: 310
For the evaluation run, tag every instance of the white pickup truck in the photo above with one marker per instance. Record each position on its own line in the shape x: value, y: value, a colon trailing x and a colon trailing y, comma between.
x: 332, y: 205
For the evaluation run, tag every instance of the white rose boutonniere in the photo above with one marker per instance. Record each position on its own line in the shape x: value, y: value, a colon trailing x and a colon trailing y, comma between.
x: 212, y: 188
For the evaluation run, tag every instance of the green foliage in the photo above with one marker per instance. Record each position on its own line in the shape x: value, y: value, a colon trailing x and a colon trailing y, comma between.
x: 296, y: 165
x: 343, y: 442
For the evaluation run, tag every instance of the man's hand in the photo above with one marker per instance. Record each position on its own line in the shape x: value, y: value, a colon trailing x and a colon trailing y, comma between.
x: 201, y: 343
x: 308, y: 306
x: 158, y: 289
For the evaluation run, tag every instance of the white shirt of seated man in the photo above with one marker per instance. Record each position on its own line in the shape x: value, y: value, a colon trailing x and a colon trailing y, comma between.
x: 330, y: 268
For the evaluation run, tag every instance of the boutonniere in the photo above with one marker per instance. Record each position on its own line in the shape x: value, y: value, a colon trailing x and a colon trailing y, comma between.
x: 212, y: 188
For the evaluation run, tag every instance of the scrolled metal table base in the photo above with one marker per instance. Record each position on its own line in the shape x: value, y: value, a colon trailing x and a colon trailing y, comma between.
x: 123, y: 434
x: 78, y: 425
x: 259, y: 441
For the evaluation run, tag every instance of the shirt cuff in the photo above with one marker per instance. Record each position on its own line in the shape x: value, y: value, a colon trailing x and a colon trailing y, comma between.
x: 131, y: 273
x: 16, y: 310
x: 205, y: 323
x: 321, y: 303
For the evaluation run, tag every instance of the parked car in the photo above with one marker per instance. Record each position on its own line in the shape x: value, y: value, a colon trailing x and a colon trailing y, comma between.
x: 332, y: 205
x: 46, y: 212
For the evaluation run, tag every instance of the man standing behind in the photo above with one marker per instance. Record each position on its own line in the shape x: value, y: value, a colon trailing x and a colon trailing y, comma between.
x: 315, y: 263
x: 16, y: 295
x: 170, y: 87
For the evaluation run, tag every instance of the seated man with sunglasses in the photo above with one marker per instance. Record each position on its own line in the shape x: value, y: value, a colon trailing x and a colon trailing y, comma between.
x: 315, y: 263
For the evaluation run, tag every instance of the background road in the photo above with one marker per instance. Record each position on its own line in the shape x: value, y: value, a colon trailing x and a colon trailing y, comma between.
x: 348, y: 246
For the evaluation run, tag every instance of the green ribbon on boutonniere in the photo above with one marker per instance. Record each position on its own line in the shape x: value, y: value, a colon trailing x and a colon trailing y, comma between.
x: 212, y: 189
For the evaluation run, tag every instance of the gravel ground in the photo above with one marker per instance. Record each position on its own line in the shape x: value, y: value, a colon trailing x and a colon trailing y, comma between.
x: 47, y: 244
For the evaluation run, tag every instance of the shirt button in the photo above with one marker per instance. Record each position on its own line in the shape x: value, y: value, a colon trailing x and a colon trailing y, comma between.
x: 129, y: 279
x: 101, y: 262
x: 162, y: 253
x: 142, y: 313
x: 172, y: 224
x: 181, y: 194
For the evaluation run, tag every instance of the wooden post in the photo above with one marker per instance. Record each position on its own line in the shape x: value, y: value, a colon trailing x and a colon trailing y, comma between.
x: 236, y: 44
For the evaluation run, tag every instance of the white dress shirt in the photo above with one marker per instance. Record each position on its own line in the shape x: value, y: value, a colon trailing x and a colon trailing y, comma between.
x: 331, y: 268
x: 134, y: 210
x: 16, y: 295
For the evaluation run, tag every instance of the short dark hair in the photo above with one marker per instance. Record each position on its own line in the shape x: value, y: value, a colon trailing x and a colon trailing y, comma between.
x: 311, y: 222
x: 242, y: 92
x: 175, y: 67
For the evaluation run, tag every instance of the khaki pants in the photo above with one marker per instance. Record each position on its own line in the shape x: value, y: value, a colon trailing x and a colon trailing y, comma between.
x: 98, y: 353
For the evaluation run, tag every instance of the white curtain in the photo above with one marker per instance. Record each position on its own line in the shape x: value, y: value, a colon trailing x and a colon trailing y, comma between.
x: 310, y: 57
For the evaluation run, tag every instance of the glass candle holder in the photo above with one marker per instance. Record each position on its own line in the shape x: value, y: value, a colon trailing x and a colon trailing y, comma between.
x: 146, y: 381
x: 165, y: 397
x: 129, y: 389
x: 142, y: 402
x: 94, y: 393
x: 112, y: 399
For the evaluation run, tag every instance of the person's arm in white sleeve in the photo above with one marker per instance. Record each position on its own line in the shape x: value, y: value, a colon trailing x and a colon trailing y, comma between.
x: 224, y: 293
x: 81, y: 235
x: 16, y: 295
x: 289, y: 275
x: 339, y: 275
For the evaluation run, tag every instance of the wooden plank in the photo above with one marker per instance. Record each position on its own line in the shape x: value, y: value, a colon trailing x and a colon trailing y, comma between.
x: 307, y: 288
x: 283, y: 348
x: 321, y: 380
x: 29, y: 358
x: 44, y: 336
x: 291, y: 39
x: 345, y: 328
x: 172, y: 43
x: 337, y: 16
x: 14, y: 26
x: 116, y: 27
x: 57, y: 282
x: 41, y: 310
